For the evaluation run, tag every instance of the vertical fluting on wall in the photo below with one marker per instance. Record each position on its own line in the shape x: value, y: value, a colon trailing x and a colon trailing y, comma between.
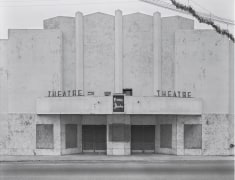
x: 118, y: 52
x: 157, y: 75
x: 79, y: 52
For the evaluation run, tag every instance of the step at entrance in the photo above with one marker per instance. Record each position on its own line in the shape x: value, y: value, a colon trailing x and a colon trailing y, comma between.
x: 142, y: 138
x: 94, y: 138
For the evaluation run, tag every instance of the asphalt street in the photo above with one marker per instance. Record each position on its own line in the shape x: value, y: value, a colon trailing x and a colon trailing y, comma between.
x: 161, y: 170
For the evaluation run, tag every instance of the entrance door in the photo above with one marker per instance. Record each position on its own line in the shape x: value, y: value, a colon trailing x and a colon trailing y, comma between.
x: 94, y: 138
x: 142, y: 138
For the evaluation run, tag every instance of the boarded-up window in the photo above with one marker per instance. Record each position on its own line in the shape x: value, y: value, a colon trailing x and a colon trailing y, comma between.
x: 165, y: 136
x: 71, y: 135
x: 44, y: 136
x: 192, y: 136
x: 119, y: 132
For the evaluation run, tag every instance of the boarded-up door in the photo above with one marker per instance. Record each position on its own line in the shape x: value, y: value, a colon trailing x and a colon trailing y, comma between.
x: 94, y: 138
x: 143, y: 138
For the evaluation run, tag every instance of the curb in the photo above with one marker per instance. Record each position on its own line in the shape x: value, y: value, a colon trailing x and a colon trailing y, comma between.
x: 91, y: 159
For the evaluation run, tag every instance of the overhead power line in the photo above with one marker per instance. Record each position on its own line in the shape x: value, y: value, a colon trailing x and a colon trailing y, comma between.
x: 201, y: 17
x: 170, y: 6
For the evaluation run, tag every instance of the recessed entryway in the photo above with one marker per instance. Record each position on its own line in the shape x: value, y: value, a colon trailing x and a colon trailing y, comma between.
x: 142, y: 138
x: 94, y: 138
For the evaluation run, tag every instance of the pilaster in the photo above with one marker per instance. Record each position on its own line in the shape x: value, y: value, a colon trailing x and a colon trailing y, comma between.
x: 79, y: 43
x: 157, y: 52
x: 118, y: 52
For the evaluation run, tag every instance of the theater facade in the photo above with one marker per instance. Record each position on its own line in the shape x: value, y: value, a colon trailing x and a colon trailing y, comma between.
x: 116, y: 85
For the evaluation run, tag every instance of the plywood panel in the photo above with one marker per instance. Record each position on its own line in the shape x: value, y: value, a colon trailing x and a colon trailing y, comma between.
x: 44, y: 136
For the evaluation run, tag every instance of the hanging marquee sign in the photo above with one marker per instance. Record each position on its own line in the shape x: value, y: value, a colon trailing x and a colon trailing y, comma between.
x: 118, y: 103
x: 179, y: 94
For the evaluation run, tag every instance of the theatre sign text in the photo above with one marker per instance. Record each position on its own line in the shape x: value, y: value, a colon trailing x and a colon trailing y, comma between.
x: 159, y: 93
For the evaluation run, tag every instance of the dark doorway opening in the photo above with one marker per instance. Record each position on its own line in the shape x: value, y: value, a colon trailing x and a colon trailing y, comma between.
x: 94, y: 138
x: 142, y: 138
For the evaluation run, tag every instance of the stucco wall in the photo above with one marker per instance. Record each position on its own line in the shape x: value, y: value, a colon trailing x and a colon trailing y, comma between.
x: 169, y: 26
x: 138, y: 53
x: 34, y: 67
x: 202, y: 67
x: 217, y: 134
x: 67, y: 26
x: 3, y: 76
x: 18, y: 134
x: 35, y: 61
x: 99, y: 53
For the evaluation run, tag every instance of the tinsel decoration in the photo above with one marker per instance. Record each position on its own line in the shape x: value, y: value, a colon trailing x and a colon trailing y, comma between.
x: 203, y: 20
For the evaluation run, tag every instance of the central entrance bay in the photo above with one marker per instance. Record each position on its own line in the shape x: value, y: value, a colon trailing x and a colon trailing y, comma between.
x: 94, y: 138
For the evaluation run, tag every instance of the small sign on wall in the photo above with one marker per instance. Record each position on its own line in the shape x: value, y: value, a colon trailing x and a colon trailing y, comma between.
x: 118, y: 103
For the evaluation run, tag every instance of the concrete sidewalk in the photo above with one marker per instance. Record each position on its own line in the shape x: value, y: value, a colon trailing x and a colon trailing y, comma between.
x: 105, y: 158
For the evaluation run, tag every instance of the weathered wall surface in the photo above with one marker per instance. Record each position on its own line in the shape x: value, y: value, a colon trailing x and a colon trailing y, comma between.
x: 35, y: 61
x: 3, y: 76
x: 31, y: 65
x: 202, y: 66
x: 169, y: 26
x: 217, y: 134
x: 138, y: 53
x: 18, y: 134
x: 4, y: 138
x: 99, y: 53
x: 34, y: 67
x: 67, y: 26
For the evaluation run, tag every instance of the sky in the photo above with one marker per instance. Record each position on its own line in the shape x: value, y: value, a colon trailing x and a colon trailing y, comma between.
x: 29, y: 14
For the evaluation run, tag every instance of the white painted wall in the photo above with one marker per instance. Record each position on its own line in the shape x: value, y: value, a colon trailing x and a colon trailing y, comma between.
x: 138, y: 53
x: 35, y: 61
x: 67, y: 26
x: 169, y: 26
x: 34, y: 67
x: 202, y: 67
x: 3, y: 77
x: 99, y: 47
